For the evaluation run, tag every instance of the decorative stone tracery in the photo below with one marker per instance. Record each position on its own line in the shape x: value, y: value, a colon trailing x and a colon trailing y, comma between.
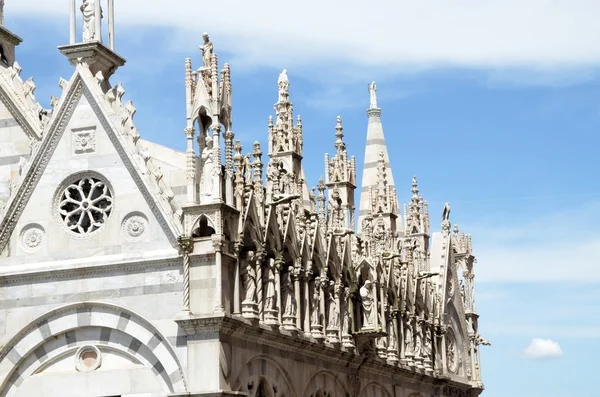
x: 84, y: 202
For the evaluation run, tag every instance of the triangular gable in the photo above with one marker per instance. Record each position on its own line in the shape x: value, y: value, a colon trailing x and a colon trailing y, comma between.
x: 272, y: 233
x: 23, y: 107
x: 84, y: 84
x: 250, y: 226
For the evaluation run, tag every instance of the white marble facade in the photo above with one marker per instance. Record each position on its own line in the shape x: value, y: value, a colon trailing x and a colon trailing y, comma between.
x: 131, y: 269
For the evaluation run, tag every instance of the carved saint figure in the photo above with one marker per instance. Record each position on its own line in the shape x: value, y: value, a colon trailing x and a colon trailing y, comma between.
x: 271, y: 293
x: 207, y: 50
x: 346, y: 315
x: 366, y: 297
x: 419, y: 341
x: 373, y: 95
x: 88, y: 9
x: 316, y: 299
x: 250, y: 281
x: 408, y: 337
x: 283, y: 83
x: 208, y: 168
x: 333, y: 320
x: 289, y: 298
x: 427, y: 342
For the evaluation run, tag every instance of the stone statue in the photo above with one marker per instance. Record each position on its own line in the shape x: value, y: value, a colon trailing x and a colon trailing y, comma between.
x: 208, y: 168
x: 283, y: 83
x: 270, y: 302
x: 408, y: 337
x: 334, y: 311
x: 366, y: 297
x: 250, y: 282
x: 346, y: 318
x: 446, y: 212
x: 316, y: 299
x: 419, y: 341
x: 427, y: 343
x: 88, y: 9
x: 287, y: 289
x: 373, y: 95
x: 207, y: 51
x: 247, y: 170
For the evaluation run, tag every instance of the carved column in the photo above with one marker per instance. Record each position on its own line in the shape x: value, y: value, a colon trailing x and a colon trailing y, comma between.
x: 237, y: 280
x: 98, y: 21
x: 229, y: 135
x: 190, y: 165
x: 186, y: 245
x: 307, y: 300
x: 375, y: 309
x: 296, y: 280
x: 473, y: 352
x: 443, y: 330
x: 218, y: 246
x: 260, y: 257
x: 72, y: 22
x: 401, y: 349
x: 279, y: 304
x: 218, y: 185
x: 111, y: 24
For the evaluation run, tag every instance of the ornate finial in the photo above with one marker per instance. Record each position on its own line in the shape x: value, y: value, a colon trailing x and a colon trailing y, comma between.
x: 373, y: 95
x: 415, y: 188
x: 299, y: 121
x: 339, y: 143
x: 270, y: 121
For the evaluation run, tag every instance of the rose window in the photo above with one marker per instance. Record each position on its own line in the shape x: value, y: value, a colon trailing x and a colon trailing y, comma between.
x: 85, y: 205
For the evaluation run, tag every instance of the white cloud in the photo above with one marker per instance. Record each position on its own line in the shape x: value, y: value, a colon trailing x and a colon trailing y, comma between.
x: 543, y: 349
x: 548, y: 35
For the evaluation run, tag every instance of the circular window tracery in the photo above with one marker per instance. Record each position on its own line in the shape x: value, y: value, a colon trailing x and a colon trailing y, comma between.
x: 85, y: 204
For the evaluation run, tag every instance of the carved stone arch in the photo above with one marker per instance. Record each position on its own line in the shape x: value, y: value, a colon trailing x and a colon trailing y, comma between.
x: 204, y: 119
x: 374, y: 389
x: 457, y: 331
x: 325, y: 381
x: 366, y: 271
x: 204, y: 226
x: 262, y: 368
x: 111, y: 329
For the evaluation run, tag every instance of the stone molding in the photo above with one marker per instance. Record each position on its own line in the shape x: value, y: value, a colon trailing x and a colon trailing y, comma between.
x: 226, y: 324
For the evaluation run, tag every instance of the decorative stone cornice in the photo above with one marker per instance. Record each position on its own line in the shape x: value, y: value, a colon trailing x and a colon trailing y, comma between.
x: 243, y: 329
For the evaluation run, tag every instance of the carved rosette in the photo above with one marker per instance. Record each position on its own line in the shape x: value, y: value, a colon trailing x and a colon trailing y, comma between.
x: 135, y: 227
x: 32, y: 237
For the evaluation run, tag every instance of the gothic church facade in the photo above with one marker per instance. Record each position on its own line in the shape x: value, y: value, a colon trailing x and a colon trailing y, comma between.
x: 131, y: 269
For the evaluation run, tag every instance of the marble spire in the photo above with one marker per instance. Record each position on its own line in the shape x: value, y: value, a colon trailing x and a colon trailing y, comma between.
x: 375, y: 146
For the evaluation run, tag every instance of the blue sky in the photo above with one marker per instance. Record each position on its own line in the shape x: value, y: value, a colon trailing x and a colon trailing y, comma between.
x: 493, y: 105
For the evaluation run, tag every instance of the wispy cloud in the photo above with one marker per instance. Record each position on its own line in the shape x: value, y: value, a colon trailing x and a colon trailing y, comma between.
x: 549, y: 37
x: 541, y: 349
